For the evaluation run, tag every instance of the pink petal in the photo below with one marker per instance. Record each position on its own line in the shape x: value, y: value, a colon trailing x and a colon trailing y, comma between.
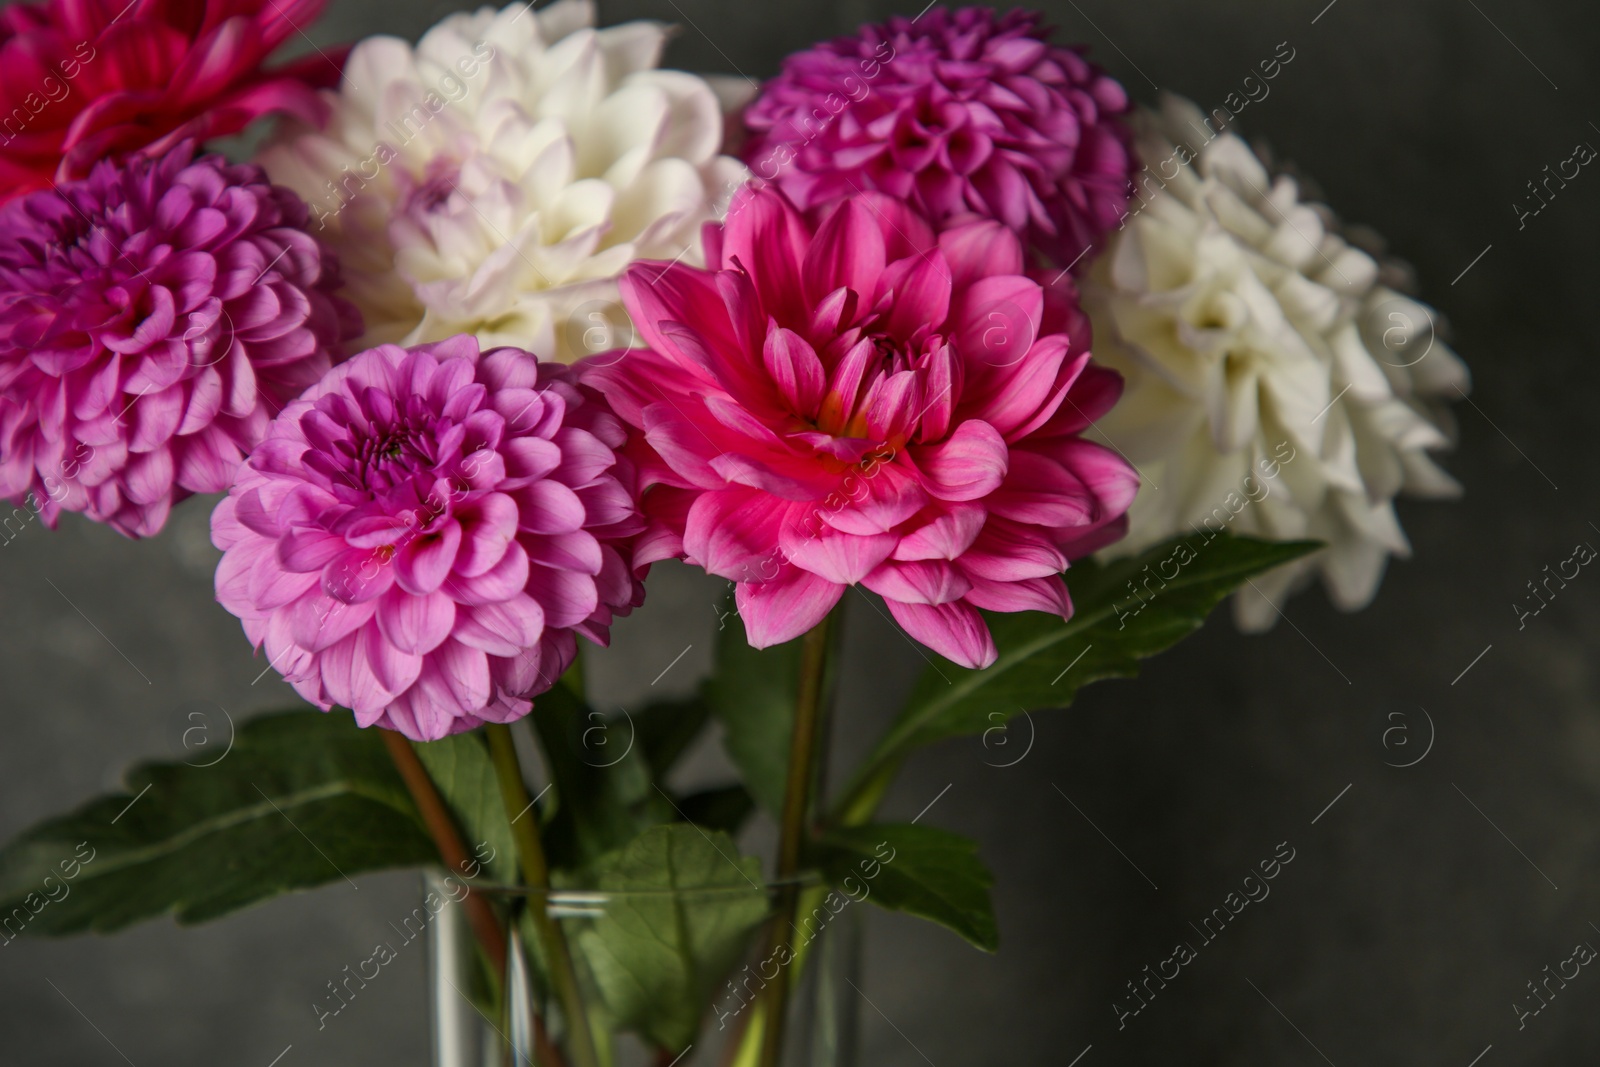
x: 1042, y: 492
x: 839, y: 557
x: 796, y: 369
x: 488, y: 526
x: 465, y: 672
x: 566, y: 598
x: 876, y: 502
x: 1029, y: 594
x: 1009, y: 552
x: 509, y: 628
x: 415, y: 624
x: 304, y: 550
x: 501, y: 582
x: 955, y: 631
x: 969, y: 465
x: 424, y: 564
x: 848, y: 251
x: 923, y: 582
x: 980, y: 249
x: 784, y: 608
x: 735, y: 533
x: 317, y: 620
x: 949, y: 534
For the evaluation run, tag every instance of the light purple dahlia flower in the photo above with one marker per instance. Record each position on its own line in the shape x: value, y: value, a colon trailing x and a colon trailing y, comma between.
x: 963, y: 112
x: 153, y: 317
x: 422, y: 533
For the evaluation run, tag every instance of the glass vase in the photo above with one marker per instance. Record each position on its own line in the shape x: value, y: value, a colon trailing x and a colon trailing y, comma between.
x: 477, y: 1022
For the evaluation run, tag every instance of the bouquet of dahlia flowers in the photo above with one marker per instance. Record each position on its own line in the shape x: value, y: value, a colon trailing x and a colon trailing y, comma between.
x: 491, y: 323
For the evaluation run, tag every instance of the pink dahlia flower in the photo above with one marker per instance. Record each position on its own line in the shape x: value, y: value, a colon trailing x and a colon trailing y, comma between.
x: 89, y: 79
x: 423, y: 532
x: 954, y: 112
x: 153, y: 317
x: 853, y: 400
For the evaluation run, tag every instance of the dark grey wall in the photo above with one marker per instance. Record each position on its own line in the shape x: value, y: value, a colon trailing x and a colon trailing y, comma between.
x: 1415, y: 909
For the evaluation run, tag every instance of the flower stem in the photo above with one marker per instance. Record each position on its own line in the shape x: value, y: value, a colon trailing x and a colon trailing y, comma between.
x: 797, y: 802
x: 452, y: 850
x: 524, y: 826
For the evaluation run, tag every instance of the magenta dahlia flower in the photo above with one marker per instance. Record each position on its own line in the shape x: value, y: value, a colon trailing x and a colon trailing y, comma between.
x: 849, y: 399
x: 955, y: 112
x: 422, y: 533
x: 89, y: 79
x: 153, y: 317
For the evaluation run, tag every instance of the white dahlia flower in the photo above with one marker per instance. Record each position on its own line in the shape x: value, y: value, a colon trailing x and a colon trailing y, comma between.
x: 1276, y: 386
x: 496, y: 178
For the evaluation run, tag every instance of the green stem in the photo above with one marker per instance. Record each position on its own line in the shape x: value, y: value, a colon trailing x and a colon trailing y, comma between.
x: 796, y: 813
x: 524, y: 826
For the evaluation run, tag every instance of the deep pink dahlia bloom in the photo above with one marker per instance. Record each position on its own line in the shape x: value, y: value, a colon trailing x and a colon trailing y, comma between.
x: 954, y: 112
x: 153, y: 317
x: 83, y: 80
x: 422, y: 533
x: 852, y: 400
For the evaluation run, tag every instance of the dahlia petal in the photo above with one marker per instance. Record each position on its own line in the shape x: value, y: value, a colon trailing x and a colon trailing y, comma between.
x: 1042, y: 492
x: 548, y: 507
x: 149, y: 477
x: 1029, y: 594
x: 784, y: 607
x: 946, y: 536
x: 487, y: 529
x: 956, y: 631
x: 305, y: 550
x: 795, y: 368
x: 501, y: 582
x: 317, y: 621
x: 415, y: 624
x: 424, y: 564
x: 508, y: 628
x: 969, y: 465
x: 685, y: 446
x: 921, y: 294
x: 997, y: 321
x: 891, y: 497
x: 768, y: 238
x: 921, y: 582
x: 838, y: 557
x: 735, y: 533
x: 566, y: 597
x: 847, y: 252
x: 1010, y: 552
x: 465, y: 672
x: 577, y: 551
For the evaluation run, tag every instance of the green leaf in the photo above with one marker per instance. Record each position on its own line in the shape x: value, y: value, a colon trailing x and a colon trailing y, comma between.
x: 686, y: 907
x: 603, y: 791
x: 752, y: 693
x: 920, y: 870
x: 460, y: 767
x: 301, y: 800
x: 1123, y: 612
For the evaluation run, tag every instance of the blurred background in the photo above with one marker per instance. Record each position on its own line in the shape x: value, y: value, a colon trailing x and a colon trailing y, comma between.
x: 1420, y: 901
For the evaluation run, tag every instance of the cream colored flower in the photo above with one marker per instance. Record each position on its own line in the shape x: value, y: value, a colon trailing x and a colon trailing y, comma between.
x: 496, y: 178
x: 1276, y: 387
